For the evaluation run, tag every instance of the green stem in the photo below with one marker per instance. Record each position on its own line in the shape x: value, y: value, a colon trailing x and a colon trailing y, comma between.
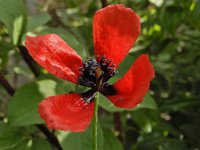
x: 95, y: 121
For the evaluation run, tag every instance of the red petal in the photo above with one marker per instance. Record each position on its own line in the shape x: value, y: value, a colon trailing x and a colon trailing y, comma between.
x: 133, y: 86
x: 115, y: 29
x: 66, y: 112
x: 55, y: 55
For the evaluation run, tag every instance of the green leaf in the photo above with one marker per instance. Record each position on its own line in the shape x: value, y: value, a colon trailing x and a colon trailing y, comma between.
x: 164, y: 143
x: 39, y: 20
x: 111, y: 142
x: 123, y: 67
x: 10, y: 137
x: 23, y: 106
x: 64, y: 87
x: 40, y: 144
x: 108, y: 105
x: 81, y: 141
x: 181, y: 104
x: 148, y: 102
x: 36, y: 143
x: 4, y: 52
x: 2, y: 127
x: 24, y: 145
x: 149, y: 120
x: 13, y: 15
x: 21, y: 70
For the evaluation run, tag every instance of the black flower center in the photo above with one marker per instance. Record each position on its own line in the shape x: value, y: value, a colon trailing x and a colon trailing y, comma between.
x: 95, y: 74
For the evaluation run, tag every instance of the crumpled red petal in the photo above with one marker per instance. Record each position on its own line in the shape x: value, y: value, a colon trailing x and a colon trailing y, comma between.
x: 115, y: 29
x: 66, y: 112
x: 55, y: 55
x: 133, y: 86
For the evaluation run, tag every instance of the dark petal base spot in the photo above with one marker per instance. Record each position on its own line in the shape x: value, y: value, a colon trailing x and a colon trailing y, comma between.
x: 89, y: 95
x: 108, y: 90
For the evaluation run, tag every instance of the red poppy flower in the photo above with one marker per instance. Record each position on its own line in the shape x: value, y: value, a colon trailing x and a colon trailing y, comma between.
x: 115, y: 29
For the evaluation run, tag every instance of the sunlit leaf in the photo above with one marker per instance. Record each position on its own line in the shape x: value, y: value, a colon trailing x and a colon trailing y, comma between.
x: 13, y: 15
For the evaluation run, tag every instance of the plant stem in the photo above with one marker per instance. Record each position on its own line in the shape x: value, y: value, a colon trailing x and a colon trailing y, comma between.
x: 29, y: 61
x: 6, y: 85
x: 95, y: 121
x: 50, y: 137
x: 104, y: 3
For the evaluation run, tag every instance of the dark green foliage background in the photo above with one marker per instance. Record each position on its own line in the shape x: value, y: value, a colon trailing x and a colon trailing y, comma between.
x: 168, y: 118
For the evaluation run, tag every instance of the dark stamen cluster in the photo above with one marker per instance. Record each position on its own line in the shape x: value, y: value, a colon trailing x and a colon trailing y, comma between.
x: 96, y: 73
x: 107, y: 66
x: 88, y: 73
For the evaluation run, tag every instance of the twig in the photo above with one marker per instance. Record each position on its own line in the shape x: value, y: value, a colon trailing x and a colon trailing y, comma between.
x: 118, y: 127
x: 50, y: 137
x: 29, y: 60
x: 104, y: 3
x: 6, y: 85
